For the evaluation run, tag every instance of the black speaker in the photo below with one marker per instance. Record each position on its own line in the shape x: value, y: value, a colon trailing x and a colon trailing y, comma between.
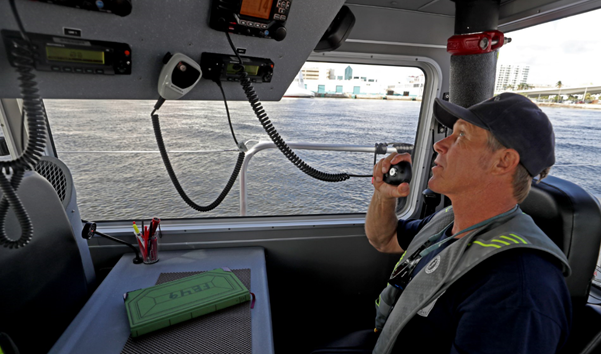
x: 338, y: 31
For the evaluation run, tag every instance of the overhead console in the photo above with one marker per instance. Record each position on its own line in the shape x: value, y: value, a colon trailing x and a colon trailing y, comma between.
x: 88, y: 53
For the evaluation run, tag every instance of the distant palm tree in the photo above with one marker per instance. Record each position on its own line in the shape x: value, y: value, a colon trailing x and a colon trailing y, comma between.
x: 559, y: 85
x: 523, y: 86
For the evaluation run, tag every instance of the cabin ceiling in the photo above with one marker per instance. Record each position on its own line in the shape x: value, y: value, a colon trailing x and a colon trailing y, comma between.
x: 514, y: 14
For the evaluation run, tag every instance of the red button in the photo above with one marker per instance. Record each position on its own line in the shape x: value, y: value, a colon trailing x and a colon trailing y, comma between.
x: 127, y: 53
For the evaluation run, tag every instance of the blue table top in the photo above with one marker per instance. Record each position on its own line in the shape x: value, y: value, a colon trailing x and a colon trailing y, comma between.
x: 102, y: 325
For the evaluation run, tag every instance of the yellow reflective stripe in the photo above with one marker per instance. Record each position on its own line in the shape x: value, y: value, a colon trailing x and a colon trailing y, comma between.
x: 399, y: 261
x: 500, y: 241
x: 511, y: 239
x: 447, y: 209
x: 520, y: 238
x: 378, y: 301
x: 487, y: 245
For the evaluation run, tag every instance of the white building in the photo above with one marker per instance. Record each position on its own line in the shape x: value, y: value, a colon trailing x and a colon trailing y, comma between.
x: 509, y: 76
x: 354, y: 86
x: 311, y: 74
x: 413, y: 86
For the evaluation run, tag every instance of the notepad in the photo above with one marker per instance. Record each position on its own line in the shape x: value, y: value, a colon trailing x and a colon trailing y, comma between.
x: 173, y: 302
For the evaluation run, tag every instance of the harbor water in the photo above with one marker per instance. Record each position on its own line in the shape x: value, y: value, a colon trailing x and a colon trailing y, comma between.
x: 111, y: 151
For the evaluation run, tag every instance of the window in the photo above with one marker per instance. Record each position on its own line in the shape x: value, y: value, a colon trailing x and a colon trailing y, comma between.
x: 111, y: 151
x: 577, y: 127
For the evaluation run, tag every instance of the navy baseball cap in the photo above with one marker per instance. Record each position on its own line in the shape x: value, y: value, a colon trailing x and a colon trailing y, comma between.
x: 514, y: 120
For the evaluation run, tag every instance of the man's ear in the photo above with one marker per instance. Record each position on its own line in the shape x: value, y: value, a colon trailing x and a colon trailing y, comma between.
x: 506, y: 161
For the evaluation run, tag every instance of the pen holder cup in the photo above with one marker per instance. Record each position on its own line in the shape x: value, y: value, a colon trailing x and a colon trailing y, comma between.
x: 150, y: 251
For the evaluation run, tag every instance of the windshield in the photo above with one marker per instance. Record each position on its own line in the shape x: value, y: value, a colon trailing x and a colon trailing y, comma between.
x: 112, y: 153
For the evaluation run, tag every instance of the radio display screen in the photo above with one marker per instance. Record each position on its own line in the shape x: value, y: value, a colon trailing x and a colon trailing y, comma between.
x: 74, y: 55
x: 250, y: 69
x: 257, y: 8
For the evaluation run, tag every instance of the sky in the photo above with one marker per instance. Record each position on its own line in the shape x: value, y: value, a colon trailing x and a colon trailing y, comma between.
x: 566, y: 50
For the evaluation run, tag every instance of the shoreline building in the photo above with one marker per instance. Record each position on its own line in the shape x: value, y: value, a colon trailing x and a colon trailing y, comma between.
x: 359, y: 81
x: 509, y: 76
x: 413, y: 87
x: 348, y: 73
x: 311, y: 73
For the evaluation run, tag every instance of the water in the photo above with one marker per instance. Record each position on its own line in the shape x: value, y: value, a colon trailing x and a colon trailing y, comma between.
x: 115, y: 185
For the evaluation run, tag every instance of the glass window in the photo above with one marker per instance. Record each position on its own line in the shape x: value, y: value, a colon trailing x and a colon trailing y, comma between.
x: 111, y: 151
x: 565, y: 85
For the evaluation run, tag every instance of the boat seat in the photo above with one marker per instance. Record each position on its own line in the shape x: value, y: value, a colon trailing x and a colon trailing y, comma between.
x: 571, y: 217
x: 44, y: 283
x: 59, y: 176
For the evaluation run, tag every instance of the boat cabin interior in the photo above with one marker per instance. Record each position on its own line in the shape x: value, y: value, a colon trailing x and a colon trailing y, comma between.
x: 314, y: 275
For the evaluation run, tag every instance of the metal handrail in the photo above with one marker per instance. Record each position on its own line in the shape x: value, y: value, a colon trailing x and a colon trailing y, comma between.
x: 262, y: 145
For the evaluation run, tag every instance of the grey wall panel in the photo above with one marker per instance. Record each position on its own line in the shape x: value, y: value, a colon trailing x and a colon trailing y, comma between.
x: 152, y: 29
x: 393, y: 25
x: 515, y: 15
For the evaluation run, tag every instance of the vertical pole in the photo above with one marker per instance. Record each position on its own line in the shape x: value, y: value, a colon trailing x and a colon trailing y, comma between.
x: 472, y: 77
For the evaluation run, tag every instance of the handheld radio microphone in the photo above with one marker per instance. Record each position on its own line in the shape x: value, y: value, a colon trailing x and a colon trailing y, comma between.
x: 178, y: 76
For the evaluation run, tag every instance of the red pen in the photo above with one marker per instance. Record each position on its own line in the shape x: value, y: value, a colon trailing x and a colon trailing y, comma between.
x: 154, y: 224
x: 147, y: 241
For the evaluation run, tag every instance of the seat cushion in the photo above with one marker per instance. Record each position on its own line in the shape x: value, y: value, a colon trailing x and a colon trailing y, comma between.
x: 43, y: 284
x: 571, y: 217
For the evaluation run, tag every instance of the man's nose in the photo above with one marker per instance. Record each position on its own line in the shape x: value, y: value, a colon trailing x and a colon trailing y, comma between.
x: 441, y: 146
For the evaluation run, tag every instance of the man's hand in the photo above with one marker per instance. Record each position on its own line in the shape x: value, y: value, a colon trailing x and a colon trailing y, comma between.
x: 382, y: 167
x: 381, y: 221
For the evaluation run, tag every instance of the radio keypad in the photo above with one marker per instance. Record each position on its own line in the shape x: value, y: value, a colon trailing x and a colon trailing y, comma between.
x: 282, y: 8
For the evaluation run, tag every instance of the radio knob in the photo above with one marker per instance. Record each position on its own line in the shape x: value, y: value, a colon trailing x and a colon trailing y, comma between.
x: 280, y: 33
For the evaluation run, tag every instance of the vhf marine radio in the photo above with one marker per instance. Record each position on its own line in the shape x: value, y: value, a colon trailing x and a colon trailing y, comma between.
x: 257, y: 18
x: 222, y: 67
x: 69, y: 55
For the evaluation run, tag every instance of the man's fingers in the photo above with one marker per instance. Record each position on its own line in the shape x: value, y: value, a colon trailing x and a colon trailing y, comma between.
x: 377, y: 175
x: 403, y: 189
x: 401, y: 157
x: 387, y: 162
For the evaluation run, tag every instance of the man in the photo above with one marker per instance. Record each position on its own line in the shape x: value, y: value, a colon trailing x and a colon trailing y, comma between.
x: 486, y: 278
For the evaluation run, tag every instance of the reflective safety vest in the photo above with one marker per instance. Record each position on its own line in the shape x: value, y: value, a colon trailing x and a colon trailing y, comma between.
x: 395, y: 308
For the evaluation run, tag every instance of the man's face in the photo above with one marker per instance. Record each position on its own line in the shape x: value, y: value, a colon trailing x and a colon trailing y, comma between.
x: 462, y: 162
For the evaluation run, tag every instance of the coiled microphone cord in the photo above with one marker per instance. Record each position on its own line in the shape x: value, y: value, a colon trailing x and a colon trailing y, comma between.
x: 174, y: 178
x: 262, y: 116
x: 36, y: 124
x: 172, y: 174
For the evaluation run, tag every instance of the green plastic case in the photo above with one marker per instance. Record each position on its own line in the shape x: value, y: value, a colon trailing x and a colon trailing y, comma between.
x: 160, y: 306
